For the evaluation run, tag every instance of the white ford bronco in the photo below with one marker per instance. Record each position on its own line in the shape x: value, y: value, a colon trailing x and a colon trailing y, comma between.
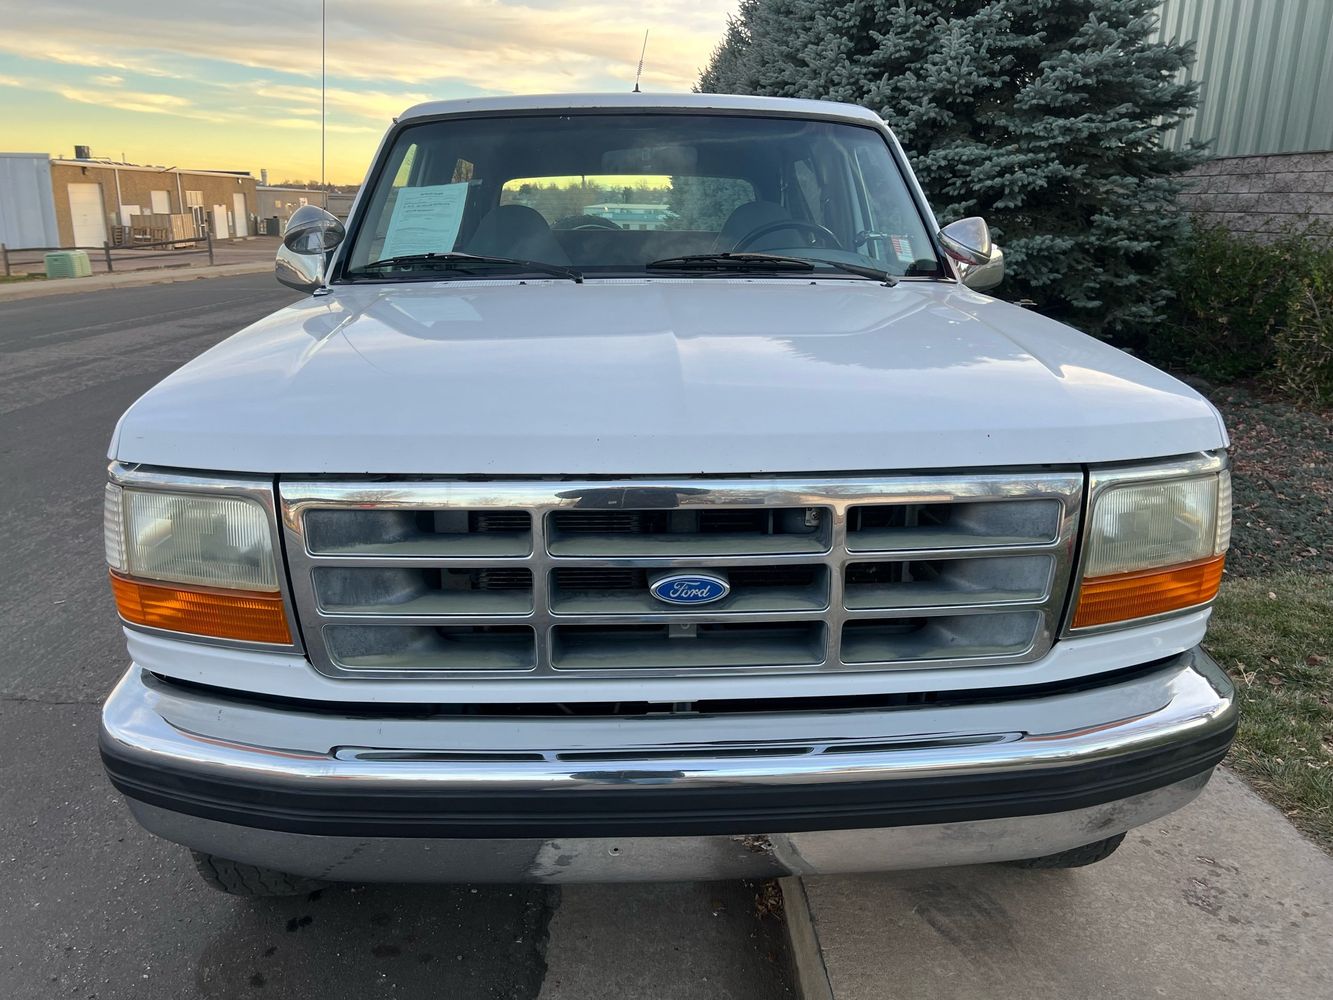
x: 646, y: 490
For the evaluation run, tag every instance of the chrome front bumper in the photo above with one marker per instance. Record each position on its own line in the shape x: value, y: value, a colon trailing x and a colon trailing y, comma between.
x: 394, y: 797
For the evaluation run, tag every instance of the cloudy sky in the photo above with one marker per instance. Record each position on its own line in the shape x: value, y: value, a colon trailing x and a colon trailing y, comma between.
x: 234, y: 84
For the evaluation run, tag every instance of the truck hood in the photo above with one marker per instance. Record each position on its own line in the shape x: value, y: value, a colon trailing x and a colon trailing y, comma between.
x: 658, y: 376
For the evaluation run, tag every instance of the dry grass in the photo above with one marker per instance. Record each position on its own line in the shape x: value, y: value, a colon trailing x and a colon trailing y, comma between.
x: 1272, y: 628
x: 1274, y: 635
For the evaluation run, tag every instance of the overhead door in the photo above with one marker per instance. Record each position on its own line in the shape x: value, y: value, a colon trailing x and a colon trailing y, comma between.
x: 242, y: 218
x: 85, y: 211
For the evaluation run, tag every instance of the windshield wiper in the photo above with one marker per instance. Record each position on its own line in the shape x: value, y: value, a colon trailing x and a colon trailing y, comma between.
x: 727, y: 261
x: 454, y: 259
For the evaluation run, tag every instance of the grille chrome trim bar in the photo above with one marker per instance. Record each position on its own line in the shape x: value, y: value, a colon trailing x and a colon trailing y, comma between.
x: 833, y: 495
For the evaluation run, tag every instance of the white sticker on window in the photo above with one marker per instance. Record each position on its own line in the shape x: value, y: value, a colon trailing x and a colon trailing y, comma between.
x: 425, y: 220
x: 902, y: 249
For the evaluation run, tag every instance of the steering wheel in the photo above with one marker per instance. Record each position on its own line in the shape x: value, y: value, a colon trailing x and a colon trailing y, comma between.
x: 825, y: 237
x: 585, y: 222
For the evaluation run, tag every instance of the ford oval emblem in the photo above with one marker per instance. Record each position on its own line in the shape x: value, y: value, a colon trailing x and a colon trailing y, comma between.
x: 689, y: 588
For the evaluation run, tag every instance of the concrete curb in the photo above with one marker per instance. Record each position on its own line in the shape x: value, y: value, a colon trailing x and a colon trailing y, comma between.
x: 1146, y: 922
x: 812, y: 981
x: 128, y: 279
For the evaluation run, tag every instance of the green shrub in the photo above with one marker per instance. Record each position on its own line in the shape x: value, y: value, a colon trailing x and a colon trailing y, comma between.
x: 1303, y: 347
x: 1242, y: 308
x: 1229, y: 297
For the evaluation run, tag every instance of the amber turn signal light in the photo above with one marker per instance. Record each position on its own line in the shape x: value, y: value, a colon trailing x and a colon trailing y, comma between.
x: 1144, y: 593
x: 223, y: 614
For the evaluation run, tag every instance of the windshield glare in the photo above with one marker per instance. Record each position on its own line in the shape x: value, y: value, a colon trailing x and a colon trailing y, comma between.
x: 610, y: 194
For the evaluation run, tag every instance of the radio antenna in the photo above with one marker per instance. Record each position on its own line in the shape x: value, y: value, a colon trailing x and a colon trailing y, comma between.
x: 642, y: 51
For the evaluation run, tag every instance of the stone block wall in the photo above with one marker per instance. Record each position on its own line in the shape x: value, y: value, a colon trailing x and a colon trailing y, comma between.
x: 1262, y: 196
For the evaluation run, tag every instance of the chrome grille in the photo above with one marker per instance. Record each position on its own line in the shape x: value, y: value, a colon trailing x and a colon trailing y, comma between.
x: 452, y: 578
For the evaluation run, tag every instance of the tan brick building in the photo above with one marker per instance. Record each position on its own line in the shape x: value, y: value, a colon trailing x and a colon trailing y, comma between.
x: 91, y: 196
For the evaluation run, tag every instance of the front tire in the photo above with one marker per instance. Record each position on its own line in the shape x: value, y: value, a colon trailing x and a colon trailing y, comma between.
x: 1076, y: 857
x: 238, y: 879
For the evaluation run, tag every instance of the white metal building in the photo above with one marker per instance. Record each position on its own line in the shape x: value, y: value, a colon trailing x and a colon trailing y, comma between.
x: 27, y: 208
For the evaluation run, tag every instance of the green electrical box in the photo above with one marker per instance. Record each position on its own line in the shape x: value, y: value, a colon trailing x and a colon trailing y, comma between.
x: 68, y: 264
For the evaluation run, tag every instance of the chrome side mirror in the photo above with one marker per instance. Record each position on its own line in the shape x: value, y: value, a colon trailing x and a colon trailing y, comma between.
x: 311, y: 230
x: 983, y: 277
x: 312, y: 234
x: 980, y: 262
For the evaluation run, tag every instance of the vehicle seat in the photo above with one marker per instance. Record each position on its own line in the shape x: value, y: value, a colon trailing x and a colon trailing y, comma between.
x: 516, y: 231
x: 749, y: 217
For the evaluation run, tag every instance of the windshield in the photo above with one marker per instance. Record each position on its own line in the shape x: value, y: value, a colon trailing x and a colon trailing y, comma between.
x: 617, y: 194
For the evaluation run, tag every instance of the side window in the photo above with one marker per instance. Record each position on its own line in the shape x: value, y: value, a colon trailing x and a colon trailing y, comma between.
x: 811, y: 191
x: 893, y: 232
x: 404, y: 172
x: 371, y: 245
x: 402, y: 178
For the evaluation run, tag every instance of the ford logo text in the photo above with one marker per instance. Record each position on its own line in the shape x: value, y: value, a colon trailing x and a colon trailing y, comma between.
x: 690, y: 588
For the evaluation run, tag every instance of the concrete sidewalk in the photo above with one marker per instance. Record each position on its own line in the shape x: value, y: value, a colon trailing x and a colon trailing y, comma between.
x: 36, y: 289
x: 1223, y: 899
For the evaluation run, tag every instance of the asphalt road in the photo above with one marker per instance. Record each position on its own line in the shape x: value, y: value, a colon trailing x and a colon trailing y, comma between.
x: 91, y: 906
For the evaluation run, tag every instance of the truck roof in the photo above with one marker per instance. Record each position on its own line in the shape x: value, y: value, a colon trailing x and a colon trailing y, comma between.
x: 635, y: 102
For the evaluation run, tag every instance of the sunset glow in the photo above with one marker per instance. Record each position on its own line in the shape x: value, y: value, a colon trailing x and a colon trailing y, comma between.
x: 236, y: 86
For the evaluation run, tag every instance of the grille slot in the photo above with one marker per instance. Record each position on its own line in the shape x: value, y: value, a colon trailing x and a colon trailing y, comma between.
x: 380, y: 590
x: 935, y: 583
x: 714, y: 647
x: 419, y: 532
x: 543, y: 578
x: 685, y: 532
x: 426, y: 648
x: 615, y: 590
x: 901, y: 640
x: 921, y: 526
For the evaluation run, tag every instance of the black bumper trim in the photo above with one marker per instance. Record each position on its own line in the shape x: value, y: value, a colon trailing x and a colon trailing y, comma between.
x: 360, y: 810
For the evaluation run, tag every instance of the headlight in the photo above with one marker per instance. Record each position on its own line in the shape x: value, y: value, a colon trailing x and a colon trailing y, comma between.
x: 1154, y: 547
x: 194, y: 563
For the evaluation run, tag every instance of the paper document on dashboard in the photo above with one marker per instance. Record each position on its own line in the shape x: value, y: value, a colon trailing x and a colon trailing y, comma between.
x: 425, y: 220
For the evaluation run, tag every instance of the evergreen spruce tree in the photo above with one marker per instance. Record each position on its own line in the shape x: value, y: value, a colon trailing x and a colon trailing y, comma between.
x: 1043, y: 116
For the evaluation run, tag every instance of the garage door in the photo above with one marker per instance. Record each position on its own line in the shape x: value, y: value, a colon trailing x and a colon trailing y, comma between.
x: 85, y: 210
x: 241, y: 217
